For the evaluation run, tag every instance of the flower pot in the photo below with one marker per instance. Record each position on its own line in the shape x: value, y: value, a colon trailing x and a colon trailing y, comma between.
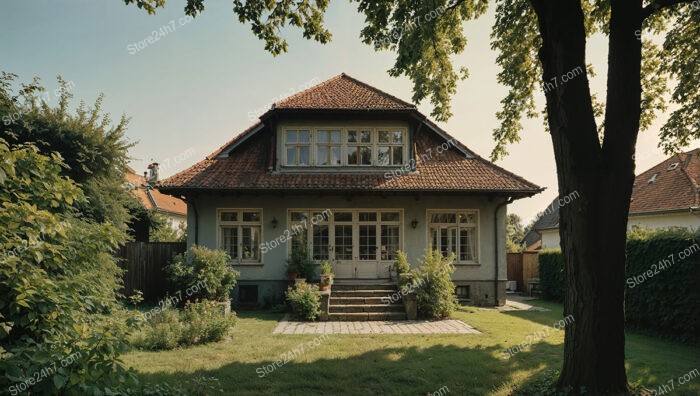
x: 225, y: 306
x: 326, y: 279
x: 292, y: 275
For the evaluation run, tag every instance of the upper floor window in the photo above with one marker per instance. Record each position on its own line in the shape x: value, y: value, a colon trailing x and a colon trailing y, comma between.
x: 345, y: 147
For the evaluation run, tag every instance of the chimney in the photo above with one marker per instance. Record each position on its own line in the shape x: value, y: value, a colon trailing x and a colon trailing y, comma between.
x: 152, y: 173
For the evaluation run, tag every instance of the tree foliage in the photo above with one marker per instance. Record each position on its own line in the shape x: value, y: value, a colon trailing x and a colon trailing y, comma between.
x: 94, y: 151
x: 514, y: 233
x: 58, y: 282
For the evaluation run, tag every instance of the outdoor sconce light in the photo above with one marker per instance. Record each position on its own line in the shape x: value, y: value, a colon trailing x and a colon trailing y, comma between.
x: 414, y: 223
x: 274, y: 222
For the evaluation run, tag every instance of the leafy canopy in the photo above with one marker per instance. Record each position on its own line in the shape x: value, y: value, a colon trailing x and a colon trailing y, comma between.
x: 426, y: 36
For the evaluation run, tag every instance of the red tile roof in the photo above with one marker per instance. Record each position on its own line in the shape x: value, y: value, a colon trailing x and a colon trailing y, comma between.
x: 343, y: 92
x: 151, y: 198
x: 242, y: 163
x: 676, y: 187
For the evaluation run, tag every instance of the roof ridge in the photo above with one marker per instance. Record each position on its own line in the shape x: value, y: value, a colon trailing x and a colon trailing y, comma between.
x: 319, y: 85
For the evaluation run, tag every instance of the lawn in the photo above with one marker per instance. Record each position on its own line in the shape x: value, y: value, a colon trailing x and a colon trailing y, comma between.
x: 402, y: 364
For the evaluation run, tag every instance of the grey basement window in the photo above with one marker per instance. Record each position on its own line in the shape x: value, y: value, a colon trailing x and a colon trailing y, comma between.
x: 248, y: 293
x: 462, y: 292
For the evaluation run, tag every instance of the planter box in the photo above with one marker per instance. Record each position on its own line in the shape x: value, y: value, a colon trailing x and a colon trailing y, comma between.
x: 225, y: 306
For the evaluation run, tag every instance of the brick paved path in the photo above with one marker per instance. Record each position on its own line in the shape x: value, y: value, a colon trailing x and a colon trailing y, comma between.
x: 375, y: 327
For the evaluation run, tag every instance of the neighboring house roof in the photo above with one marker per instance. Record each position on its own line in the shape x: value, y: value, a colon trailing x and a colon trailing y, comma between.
x: 549, y: 217
x: 245, y: 162
x: 675, y: 187
x: 535, y: 246
x: 151, y: 198
x: 531, y: 238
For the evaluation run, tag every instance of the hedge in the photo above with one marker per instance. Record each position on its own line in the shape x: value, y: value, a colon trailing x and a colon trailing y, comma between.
x: 662, y: 283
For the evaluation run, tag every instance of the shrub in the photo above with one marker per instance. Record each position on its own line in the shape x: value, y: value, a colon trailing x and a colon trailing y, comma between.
x: 301, y: 263
x: 401, y: 264
x: 202, y: 266
x: 551, y: 268
x: 58, y: 282
x: 433, y: 285
x: 305, y: 300
x: 663, y: 303
x: 198, y: 323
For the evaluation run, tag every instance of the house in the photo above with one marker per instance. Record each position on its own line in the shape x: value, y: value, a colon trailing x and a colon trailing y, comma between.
x: 142, y: 187
x: 666, y: 195
x: 356, y: 174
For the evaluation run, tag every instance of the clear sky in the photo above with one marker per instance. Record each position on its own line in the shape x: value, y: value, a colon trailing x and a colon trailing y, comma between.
x: 194, y: 89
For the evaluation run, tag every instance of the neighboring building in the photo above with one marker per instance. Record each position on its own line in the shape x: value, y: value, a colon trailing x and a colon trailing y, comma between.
x: 667, y: 195
x: 174, y: 209
x: 356, y: 174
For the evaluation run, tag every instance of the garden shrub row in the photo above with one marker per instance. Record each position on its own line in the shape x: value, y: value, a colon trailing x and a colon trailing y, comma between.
x: 663, y: 270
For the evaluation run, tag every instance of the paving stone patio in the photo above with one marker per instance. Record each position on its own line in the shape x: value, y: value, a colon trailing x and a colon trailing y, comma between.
x: 375, y: 327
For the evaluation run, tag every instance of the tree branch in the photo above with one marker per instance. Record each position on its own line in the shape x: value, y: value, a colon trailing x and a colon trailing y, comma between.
x: 658, y: 5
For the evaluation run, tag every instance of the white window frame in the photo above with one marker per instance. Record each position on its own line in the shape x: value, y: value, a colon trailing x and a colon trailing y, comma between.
x: 456, y: 212
x: 344, y: 145
x: 238, y: 225
x: 355, y: 226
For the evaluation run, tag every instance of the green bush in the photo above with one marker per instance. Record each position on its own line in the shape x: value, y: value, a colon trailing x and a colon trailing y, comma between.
x: 301, y: 263
x: 551, y: 268
x: 59, y: 281
x: 305, y: 301
x: 202, y: 266
x: 432, y: 282
x: 198, y: 323
x: 661, y: 288
x: 401, y: 264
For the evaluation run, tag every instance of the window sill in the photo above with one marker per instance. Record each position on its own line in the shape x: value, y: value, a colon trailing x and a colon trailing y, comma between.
x: 466, y: 264
x: 235, y: 264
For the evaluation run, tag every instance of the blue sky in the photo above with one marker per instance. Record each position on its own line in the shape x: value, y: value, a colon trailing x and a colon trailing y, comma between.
x: 194, y: 88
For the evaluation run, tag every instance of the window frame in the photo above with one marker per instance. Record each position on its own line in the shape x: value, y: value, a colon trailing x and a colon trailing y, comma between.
x: 344, y: 145
x: 238, y: 225
x: 456, y: 212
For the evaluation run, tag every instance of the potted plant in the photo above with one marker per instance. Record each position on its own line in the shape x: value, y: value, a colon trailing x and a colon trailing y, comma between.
x: 326, y: 275
x: 291, y: 270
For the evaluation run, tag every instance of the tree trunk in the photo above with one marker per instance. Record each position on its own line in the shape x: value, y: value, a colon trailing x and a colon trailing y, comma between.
x: 598, y: 179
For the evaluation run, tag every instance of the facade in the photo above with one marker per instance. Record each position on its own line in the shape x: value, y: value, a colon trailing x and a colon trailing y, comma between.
x: 664, y: 196
x: 354, y: 174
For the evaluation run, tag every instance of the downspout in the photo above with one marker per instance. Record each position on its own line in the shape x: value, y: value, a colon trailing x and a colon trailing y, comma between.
x: 495, y: 244
x: 196, y: 219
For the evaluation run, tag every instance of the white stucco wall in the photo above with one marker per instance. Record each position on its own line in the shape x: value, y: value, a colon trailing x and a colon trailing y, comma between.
x: 685, y: 220
x: 550, y: 238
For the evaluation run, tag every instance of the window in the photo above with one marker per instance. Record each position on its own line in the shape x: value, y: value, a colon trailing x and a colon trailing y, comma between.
x: 355, y: 147
x: 390, y: 147
x: 328, y: 148
x: 454, y: 232
x: 240, y: 234
x: 359, y: 143
x: 298, y: 147
x: 248, y: 294
x: 462, y: 292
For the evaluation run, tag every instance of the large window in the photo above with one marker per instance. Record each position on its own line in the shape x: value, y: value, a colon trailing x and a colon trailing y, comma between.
x: 240, y: 234
x: 298, y: 147
x: 345, y: 147
x: 348, y: 235
x: 455, y: 232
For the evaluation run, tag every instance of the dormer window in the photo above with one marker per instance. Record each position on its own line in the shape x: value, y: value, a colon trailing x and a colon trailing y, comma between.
x: 673, y: 166
x: 352, y: 147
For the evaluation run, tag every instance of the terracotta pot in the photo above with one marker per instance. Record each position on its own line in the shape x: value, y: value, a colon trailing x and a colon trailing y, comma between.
x: 292, y: 275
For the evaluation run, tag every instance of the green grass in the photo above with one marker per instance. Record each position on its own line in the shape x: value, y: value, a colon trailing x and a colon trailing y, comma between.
x: 402, y: 364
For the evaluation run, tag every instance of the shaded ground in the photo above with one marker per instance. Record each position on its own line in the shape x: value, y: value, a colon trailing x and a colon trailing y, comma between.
x: 401, y: 364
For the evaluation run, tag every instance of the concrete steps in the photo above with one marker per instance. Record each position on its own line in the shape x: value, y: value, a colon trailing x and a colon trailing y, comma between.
x: 363, y: 301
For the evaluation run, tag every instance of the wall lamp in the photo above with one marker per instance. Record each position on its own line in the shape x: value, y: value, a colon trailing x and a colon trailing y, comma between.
x: 274, y: 222
x: 414, y: 223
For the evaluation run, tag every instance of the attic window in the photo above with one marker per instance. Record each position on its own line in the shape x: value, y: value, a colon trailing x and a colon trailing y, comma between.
x: 673, y: 166
x: 653, y: 178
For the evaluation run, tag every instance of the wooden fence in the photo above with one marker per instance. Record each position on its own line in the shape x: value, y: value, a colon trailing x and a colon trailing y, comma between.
x: 522, y: 268
x: 144, y: 262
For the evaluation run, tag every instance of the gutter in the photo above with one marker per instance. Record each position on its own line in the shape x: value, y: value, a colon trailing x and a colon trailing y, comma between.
x: 495, y: 243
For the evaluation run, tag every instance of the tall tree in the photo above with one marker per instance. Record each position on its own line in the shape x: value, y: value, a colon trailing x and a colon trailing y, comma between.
x: 542, y: 44
x: 514, y: 232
